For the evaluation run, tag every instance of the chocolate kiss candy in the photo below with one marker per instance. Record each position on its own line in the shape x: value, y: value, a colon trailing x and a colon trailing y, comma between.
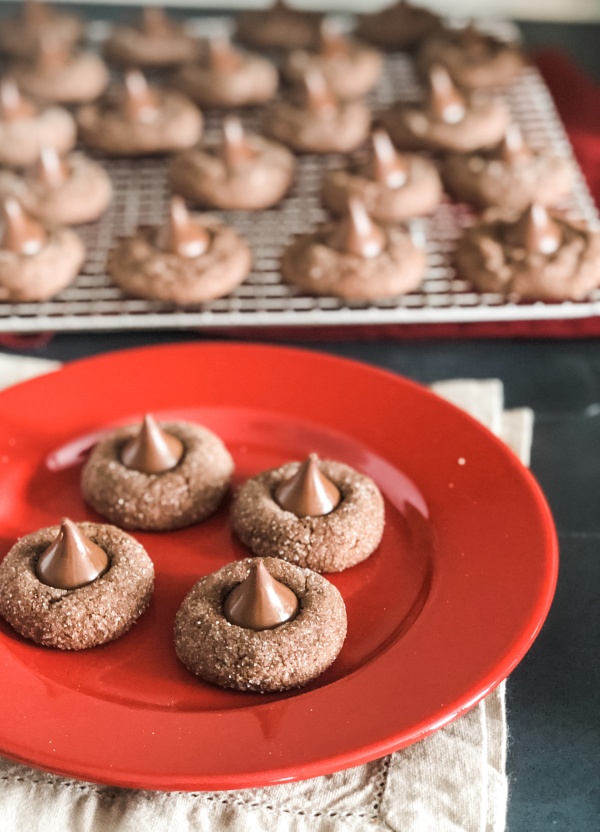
x: 445, y: 101
x: 12, y: 104
x: 512, y: 146
x: 153, y: 450
x: 20, y: 233
x: 72, y: 560
x: 52, y: 53
x: 180, y: 234
x: 535, y: 231
x: 155, y: 22
x: 260, y: 602
x: 50, y: 169
x: 308, y: 493
x: 319, y: 97
x: 140, y: 102
x: 387, y: 166
x: 221, y: 56
x: 331, y: 43
x: 357, y: 233
x: 236, y: 149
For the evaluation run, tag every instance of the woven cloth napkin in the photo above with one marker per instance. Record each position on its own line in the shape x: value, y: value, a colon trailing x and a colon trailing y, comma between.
x: 452, y: 781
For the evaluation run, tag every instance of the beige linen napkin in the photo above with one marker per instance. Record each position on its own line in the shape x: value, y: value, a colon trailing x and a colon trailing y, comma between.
x: 452, y: 781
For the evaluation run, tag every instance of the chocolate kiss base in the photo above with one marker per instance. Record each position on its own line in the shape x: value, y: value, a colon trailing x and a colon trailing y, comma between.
x: 329, y: 543
x: 287, y: 656
x: 181, y: 496
x: 74, y: 619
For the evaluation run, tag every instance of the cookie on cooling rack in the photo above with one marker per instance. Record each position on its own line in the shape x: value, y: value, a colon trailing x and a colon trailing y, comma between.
x: 240, y: 172
x: 140, y: 120
x: 392, y: 187
x: 26, y: 127
x: 354, y: 258
x: 534, y: 255
x: 36, y: 262
x: 157, y: 476
x: 20, y: 36
x: 449, y: 120
x: 319, y: 514
x: 350, y: 68
x: 62, y: 190
x: 313, y: 120
x: 60, y: 76
x: 473, y: 58
x: 260, y: 625
x: 75, y: 586
x: 227, y: 77
x: 399, y: 26
x: 155, y: 41
x: 278, y: 27
x: 188, y: 259
x: 511, y: 175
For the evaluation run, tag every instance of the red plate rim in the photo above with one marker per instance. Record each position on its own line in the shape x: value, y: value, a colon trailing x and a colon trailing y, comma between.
x: 459, y: 651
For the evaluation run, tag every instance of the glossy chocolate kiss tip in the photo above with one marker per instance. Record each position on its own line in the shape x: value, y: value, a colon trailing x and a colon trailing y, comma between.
x: 153, y: 450
x: 356, y: 233
x: 260, y: 602
x: 72, y: 560
x: 318, y: 94
x: 50, y: 169
x: 180, y: 234
x: 308, y: 493
x: 12, y: 104
x: 155, y: 22
x: 513, y: 144
x: 445, y: 101
x: 21, y: 234
x: 536, y: 231
x: 222, y: 56
x: 387, y: 166
x: 331, y: 42
x: 139, y: 102
x: 236, y: 149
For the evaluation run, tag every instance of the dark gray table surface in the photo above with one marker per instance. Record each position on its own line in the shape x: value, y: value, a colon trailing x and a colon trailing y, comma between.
x: 554, y: 694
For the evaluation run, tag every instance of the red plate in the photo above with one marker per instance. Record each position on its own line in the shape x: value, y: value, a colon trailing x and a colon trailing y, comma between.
x: 438, y: 616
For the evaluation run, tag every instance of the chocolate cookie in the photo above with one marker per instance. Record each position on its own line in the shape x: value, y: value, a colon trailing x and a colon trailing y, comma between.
x: 286, y: 656
x: 400, y: 26
x: 61, y: 77
x: 76, y: 618
x: 156, y: 41
x: 25, y: 128
x: 20, y: 36
x: 329, y: 542
x: 350, y: 69
x: 184, y: 493
x: 392, y: 187
x: 312, y: 120
x: 354, y: 259
x: 241, y: 172
x: 227, y: 77
x: 511, y: 175
x: 61, y: 191
x: 473, y: 59
x: 140, y: 120
x: 278, y: 27
x: 191, y: 258
x: 531, y: 256
x: 449, y: 120
x: 35, y: 262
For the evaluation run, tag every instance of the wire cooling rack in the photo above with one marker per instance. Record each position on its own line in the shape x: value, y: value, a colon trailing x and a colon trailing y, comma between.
x: 141, y: 196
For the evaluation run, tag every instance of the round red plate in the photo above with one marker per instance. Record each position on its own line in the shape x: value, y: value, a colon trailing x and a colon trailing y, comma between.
x: 438, y: 616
